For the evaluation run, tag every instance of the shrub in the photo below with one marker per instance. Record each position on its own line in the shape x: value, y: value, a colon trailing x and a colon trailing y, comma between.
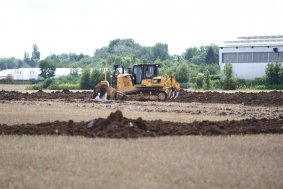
x: 274, y: 73
x: 206, y: 80
x: 199, y: 81
x: 95, y: 77
x: 182, y: 73
x: 46, y: 83
x: 62, y: 86
x: 85, y: 80
x: 215, y: 77
x: 184, y: 85
x: 218, y: 84
x: 229, y: 82
x: 37, y: 86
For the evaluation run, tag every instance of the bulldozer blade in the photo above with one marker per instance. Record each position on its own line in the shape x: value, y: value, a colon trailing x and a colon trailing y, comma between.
x: 169, y: 94
x: 101, y: 98
x: 173, y: 94
x: 177, y: 95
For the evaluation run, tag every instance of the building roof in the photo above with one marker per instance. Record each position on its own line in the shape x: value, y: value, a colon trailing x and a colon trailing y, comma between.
x: 247, y: 41
x: 25, y: 73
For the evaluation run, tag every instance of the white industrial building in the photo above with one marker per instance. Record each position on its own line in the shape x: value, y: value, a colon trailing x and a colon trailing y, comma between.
x: 250, y: 55
x: 33, y: 73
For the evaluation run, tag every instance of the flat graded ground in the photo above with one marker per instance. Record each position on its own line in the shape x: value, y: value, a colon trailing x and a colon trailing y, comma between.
x: 17, y: 112
x: 8, y: 87
x: 250, y: 161
x: 233, y: 161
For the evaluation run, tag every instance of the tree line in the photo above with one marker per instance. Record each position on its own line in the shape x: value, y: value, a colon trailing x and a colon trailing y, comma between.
x: 125, y: 52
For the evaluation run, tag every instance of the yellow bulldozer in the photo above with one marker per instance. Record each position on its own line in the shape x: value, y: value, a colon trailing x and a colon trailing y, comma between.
x: 140, y: 80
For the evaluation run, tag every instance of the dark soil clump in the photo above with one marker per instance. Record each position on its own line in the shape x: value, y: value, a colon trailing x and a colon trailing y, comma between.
x: 117, y: 126
x: 274, y: 98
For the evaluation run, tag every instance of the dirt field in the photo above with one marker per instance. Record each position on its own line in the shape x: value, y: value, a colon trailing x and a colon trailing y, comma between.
x: 273, y: 98
x: 7, y: 87
x: 251, y: 161
x: 230, y: 161
x: 117, y: 126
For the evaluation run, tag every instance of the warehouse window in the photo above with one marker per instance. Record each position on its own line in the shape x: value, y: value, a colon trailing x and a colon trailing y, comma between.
x: 260, y: 57
x: 252, y: 57
x: 229, y: 58
x: 245, y: 57
x: 281, y: 57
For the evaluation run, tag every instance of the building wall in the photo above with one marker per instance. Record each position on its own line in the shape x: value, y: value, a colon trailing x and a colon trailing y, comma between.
x: 249, y: 62
x: 33, y: 73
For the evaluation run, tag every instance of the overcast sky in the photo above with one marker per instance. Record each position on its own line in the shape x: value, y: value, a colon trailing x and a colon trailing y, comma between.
x: 81, y: 26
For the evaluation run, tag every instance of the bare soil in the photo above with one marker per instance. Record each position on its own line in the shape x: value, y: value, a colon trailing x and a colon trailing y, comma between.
x: 117, y: 126
x: 246, y: 151
x: 273, y: 98
x: 238, y: 161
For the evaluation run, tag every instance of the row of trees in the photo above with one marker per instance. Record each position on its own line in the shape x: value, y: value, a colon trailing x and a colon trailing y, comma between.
x: 11, y: 63
x: 34, y: 59
x: 124, y: 52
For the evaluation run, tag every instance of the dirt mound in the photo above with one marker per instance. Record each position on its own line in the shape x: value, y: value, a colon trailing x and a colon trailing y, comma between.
x: 273, y: 98
x: 40, y: 95
x: 117, y: 126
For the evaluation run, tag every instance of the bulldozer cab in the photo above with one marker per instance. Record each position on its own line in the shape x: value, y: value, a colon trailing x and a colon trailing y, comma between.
x: 144, y: 71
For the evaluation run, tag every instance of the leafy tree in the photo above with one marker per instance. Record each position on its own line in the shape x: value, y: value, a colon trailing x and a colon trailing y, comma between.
x: 26, y: 59
x: 228, y: 70
x: 113, y: 59
x: 85, y: 79
x: 75, y: 57
x: 10, y: 63
x: 123, y: 47
x: 47, y: 68
x: 206, y: 80
x: 95, y: 77
x: 35, y: 57
x: 229, y: 82
x: 211, y: 56
x: 160, y: 51
x: 182, y: 73
x: 190, y: 53
x: 75, y: 69
x: 199, y: 81
x: 274, y: 73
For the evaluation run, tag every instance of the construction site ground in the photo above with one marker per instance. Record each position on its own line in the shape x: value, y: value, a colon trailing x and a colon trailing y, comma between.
x: 238, y: 143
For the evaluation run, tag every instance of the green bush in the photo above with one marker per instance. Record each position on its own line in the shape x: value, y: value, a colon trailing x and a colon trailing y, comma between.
x: 215, y: 77
x: 274, y: 87
x: 37, y: 86
x: 85, y: 80
x: 47, y: 82
x: 274, y: 74
x: 230, y: 84
x: 62, y: 86
x: 207, y: 81
x: 199, y: 81
x: 182, y: 73
x: 95, y: 77
x: 251, y: 84
x: 41, y: 85
x: 217, y: 84
x: 184, y: 85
